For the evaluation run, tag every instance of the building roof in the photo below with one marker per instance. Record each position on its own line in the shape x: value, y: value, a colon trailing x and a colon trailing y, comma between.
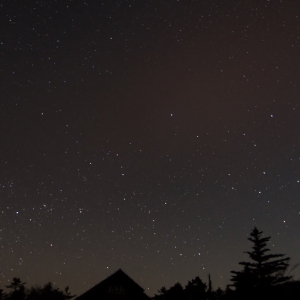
x: 117, y: 286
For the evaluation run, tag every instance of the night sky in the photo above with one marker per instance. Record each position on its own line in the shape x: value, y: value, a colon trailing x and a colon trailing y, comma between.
x: 146, y: 135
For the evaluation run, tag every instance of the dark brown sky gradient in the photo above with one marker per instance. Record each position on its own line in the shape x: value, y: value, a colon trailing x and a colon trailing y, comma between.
x: 146, y: 135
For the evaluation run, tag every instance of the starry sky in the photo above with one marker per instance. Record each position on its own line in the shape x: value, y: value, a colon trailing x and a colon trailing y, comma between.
x: 146, y: 135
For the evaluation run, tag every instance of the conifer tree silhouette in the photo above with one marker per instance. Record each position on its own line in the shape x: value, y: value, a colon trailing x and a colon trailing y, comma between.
x: 16, y: 284
x: 209, y: 289
x: 2, y: 295
x: 196, y: 289
x: 18, y: 289
x: 264, y: 272
x: 175, y: 292
x: 48, y: 292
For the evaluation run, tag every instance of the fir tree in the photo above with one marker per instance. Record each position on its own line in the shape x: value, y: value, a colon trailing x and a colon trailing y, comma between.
x: 18, y: 289
x: 264, y: 272
x: 195, y: 289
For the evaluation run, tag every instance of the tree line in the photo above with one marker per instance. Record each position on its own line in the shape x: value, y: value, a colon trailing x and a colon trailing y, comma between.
x: 17, y: 291
x: 264, y: 277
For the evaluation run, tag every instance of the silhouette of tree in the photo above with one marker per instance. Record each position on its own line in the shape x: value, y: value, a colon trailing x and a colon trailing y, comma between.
x: 291, y: 290
x: 196, y: 289
x: 2, y: 295
x: 218, y: 294
x: 209, y: 289
x: 16, y: 284
x: 34, y: 293
x: 244, y: 280
x: 48, y: 292
x: 67, y: 294
x: 18, y: 289
x: 263, y: 273
x: 229, y: 293
x: 175, y: 292
x: 162, y: 291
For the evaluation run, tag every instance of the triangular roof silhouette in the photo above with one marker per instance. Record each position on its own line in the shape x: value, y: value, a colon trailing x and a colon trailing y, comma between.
x: 117, y: 286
